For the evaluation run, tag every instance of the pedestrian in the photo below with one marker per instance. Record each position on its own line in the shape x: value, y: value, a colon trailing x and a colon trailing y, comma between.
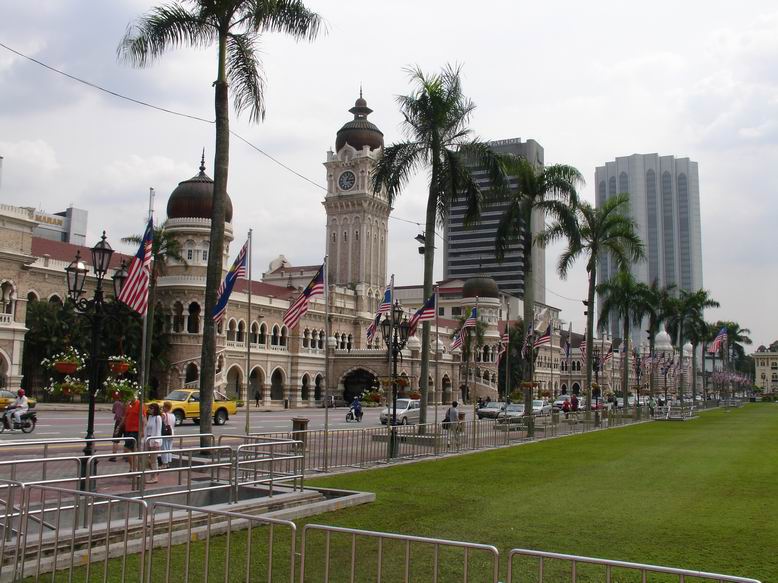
x: 651, y: 405
x: 451, y: 422
x: 118, y: 422
x: 566, y: 408
x: 153, y: 441
x: 168, y: 422
x: 256, y: 397
x: 131, y: 424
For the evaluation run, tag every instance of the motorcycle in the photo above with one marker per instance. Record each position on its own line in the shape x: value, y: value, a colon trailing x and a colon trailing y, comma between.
x: 27, y: 424
x: 352, y: 415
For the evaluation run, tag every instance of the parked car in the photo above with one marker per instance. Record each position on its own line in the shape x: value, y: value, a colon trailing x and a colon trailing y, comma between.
x: 186, y: 405
x: 559, y: 403
x: 407, y: 412
x: 491, y: 410
x: 512, y: 413
x: 541, y: 407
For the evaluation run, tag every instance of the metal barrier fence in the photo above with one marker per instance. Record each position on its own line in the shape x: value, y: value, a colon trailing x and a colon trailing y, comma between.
x: 558, y: 567
x: 378, y: 563
x: 34, y: 471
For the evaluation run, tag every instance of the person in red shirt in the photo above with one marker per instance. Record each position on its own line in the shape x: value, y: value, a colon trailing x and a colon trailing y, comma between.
x: 131, y: 424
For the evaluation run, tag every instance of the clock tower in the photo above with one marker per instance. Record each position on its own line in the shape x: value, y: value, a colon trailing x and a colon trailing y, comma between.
x: 356, y: 216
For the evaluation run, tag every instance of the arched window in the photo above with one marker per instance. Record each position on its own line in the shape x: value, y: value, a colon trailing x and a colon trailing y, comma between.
x: 263, y: 334
x: 192, y: 373
x: 306, y: 338
x: 204, y: 251
x: 356, y: 235
x: 275, y: 337
x: 7, y: 298
x: 55, y: 299
x: 612, y: 187
x: 232, y: 331
x: 220, y: 327
x: 241, y: 331
x: 342, y: 341
x: 623, y: 183
x: 178, y: 317
x: 348, y: 342
x: 284, y: 336
x: 189, y: 250
x: 32, y: 296
x: 193, y: 320
x: 321, y: 341
x: 254, y: 336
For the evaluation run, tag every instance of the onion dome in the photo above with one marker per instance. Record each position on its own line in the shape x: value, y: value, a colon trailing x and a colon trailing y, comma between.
x: 481, y: 287
x: 359, y: 132
x: 663, y: 342
x: 193, y: 198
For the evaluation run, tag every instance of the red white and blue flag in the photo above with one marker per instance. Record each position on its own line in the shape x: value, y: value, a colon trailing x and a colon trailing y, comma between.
x: 237, y: 270
x: 373, y: 328
x: 300, y: 306
x: 504, y: 341
x: 545, y: 338
x: 135, y: 292
x: 386, y: 304
x: 423, y: 314
x: 472, y: 319
x: 456, y: 341
x: 608, y: 355
x: 720, y: 338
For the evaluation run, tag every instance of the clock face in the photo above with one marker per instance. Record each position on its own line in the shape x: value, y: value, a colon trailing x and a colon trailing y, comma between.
x: 347, y: 180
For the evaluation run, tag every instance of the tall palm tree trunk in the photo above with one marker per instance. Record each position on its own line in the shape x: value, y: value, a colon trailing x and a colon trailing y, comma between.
x: 651, y: 346
x: 694, y: 374
x: 529, y: 312
x: 429, y: 263
x: 590, y: 332
x: 625, y: 364
x: 216, y: 248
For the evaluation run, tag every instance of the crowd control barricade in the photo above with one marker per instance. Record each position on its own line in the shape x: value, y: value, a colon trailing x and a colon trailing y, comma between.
x: 546, y: 567
x: 348, y: 554
x: 46, y: 448
x: 269, y: 463
x: 64, y: 471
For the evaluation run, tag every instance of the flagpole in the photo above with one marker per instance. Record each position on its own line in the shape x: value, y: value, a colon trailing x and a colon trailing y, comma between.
x: 327, y: 333
x: 438, y: 384
x: 389, y: 352
x: 143, y: 365
x: 508, y: 356
x: 247, y: 397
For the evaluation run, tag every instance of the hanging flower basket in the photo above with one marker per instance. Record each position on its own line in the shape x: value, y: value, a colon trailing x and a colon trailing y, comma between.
x: 122, y: 389
x: 64, y: 367
x: 528, y: 385
x: 120, y: 364
x: 68, y: 387
x: 66, y: 362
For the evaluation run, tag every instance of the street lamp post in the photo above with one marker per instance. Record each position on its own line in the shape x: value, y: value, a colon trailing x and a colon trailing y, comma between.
x: 395, y: 330
x: 596, y: 365
x: 95, y: 311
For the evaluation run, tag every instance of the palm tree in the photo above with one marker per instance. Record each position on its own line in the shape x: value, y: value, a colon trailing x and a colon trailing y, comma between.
x: 699, y: 333
x: 472, y: 342
x: 593, y: 233
x: 515, y: 360
x: 439, y: 140
x: 652, y: 303
x: 235, y: 27
x: 736, y: 338
x: 165, y: 247
x: 552, y: 191
x: 683, y: 311
x: 618, y: 300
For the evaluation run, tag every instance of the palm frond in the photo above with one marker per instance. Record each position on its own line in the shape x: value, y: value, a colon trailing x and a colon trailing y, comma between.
x: 395, y: 167
x: 290, y: 17
x: 245, y: 75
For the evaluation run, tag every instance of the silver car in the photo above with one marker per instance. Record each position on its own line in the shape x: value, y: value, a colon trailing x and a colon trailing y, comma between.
x: 541, y: 407
x: 513, y: 413
x: 407, y: 412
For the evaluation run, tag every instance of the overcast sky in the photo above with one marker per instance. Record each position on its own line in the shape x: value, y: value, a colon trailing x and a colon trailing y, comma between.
x: 588, y: 80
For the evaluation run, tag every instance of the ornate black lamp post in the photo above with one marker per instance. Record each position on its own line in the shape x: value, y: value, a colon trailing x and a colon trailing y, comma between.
x: 596, y: 366
x: 95, y: 311
x: 395, y: 329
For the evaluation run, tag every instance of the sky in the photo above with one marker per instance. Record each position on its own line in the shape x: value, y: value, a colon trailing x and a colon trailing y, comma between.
x: 589, y: 81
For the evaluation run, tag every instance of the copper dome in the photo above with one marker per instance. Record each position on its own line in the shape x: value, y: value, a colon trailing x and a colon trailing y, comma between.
x: 193, y: 198
x: 359, y: 132
x: 480, y: 287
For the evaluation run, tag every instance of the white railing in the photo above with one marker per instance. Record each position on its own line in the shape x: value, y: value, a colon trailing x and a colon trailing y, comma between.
x: 6, y: 319
x: 236, y: 344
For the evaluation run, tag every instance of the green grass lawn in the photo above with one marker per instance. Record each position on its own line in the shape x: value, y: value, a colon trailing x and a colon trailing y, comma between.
x: 700, y: 494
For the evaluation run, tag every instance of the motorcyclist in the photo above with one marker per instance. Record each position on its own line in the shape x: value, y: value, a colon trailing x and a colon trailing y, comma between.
x: 356, y: 406
x: 19, y: 407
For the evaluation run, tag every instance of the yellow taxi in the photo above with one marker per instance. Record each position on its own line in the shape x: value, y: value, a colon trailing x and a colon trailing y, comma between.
x: 8, y: 398
x: 186, y: 405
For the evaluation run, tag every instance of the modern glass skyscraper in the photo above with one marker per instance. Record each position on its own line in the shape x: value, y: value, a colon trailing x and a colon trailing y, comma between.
x: 664, y: 194
x: 470, y: 252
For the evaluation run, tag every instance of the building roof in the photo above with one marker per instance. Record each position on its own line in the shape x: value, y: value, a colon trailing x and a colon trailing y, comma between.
x: 193, y: 198
x: 263, y: 289
x: 359, y: 132
x: 61, y: 251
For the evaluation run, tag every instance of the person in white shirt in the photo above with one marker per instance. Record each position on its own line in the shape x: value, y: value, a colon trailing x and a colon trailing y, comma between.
x: 153, y: 429
x: 169, y: 420
x: 452, y: 422
x: 21, y: 405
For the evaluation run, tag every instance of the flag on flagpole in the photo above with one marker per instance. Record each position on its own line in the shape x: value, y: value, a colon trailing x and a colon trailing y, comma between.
x: 456, y: 341
x: 582, y: 348
x: 545, y: 338
x: 135, y: 292
x: 386, y: 304
x: 373, y: 328
x: 718, y: 341
x: 608, y: 355
x: 503, y: 348
x: 472, y: 319
x: 300, y: 306
x: 237, y: 270
x: 568, y: 346
x: 423, y: 314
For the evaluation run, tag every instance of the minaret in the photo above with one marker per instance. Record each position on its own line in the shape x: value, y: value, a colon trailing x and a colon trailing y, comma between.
x: 356, y: 216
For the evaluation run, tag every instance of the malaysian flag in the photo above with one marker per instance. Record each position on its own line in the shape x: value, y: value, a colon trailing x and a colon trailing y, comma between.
x: 525, y: 345
x: 568, y: 348
x: 721, y: 337
x: 545, y: 338
x: 300, y: 306
x: 135, y: 292
x: 582, y: 348
x: 386, y: 305
x: 423, y: 314
x: 373, y: 328
x: 472, y: 319
x: 456, y: 341
x: 504, y: 342
x: 237, y: 270
x: 608, y: 355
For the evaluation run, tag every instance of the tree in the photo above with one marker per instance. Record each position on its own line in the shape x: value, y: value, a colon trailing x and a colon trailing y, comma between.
x: 652, y: 303
x: 235, y: 27
x: 439, y: 140
x: 515, y: 359
x: 164, y: 247
x: 736, y: 338
x: 699, y: 334
x: 591, y: 234
x: 550, y: 190
x: 618, y: 300
x: 472, y: 342
x: 683, y: 311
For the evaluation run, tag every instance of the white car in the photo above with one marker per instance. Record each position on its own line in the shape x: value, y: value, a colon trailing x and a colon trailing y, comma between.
x: 407, y: 412
x: 540, y: 407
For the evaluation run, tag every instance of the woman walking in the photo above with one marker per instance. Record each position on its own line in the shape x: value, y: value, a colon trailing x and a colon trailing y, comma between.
x: 168, y: 422
x: 153, y: 441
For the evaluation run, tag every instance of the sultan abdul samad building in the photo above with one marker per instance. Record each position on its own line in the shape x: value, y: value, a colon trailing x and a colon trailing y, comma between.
x: 285, y: 365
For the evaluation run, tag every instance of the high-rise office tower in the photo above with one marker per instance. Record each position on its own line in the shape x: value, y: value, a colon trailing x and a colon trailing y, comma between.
x: 469, y: 252
x: 664, y: 193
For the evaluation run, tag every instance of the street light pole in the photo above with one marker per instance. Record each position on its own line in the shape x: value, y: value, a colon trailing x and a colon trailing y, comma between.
x: 395, y: 330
